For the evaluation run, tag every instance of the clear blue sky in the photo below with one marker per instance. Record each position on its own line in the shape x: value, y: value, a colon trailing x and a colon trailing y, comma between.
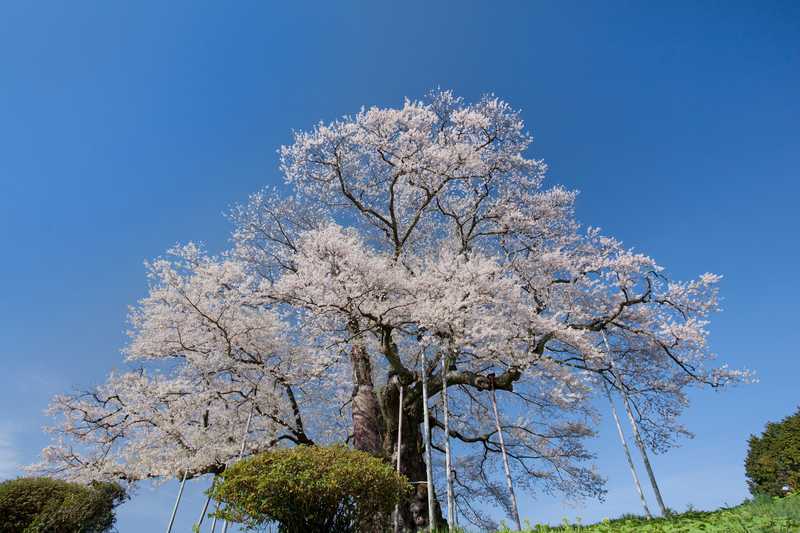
x: 126, y: 127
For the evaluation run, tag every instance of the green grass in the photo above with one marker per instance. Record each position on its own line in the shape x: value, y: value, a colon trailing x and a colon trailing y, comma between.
x: 761, y: 515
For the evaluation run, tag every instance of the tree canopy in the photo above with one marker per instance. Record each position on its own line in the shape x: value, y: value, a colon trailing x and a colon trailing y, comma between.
x: 773, y: 458
x: 425, y: 229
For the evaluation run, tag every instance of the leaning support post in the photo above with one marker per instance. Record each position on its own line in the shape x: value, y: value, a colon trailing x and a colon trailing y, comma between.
x: 451, y: 507
x: 427, y: 439
x: 241, y: 451
x: 205, y: 508
x: 214, y: 522
x: 177, y: 501
x: 627, y: 453
x: 636, y: 435
x: 514, y: 509
x: 640, y: 444
x: 399, y: 449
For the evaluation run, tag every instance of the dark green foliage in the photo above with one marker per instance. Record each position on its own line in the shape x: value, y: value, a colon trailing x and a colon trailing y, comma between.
x: 311, y: 489
x: 763, y: 514
x: 44, y: 505
x: 773, y: 459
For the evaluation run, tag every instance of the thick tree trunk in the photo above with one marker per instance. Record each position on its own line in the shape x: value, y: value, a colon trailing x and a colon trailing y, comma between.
x: 375, y: 430
x: 368, y: 422
x: 413, y: 514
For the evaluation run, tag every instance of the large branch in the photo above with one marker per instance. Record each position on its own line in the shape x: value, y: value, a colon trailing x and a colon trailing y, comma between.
x: 504, y: 381
x: 389, y: 349
x: 460, y: 436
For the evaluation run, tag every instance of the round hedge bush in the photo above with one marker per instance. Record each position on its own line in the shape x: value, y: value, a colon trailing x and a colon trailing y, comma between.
x: 44, y: 505
x: 311, y: 489
x: 773, y: 459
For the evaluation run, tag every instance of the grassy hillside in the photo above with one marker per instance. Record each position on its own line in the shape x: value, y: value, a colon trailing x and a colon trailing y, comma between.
x: 762, y: 515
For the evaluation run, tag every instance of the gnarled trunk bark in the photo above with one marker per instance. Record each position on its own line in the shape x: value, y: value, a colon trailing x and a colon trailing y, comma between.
x: 412, y: 514
x: 375, y: 430
x: 368, y: 423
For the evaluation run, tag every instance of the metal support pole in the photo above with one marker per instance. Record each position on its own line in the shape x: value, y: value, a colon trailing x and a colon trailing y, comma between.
x: 399, y: 451
x: 177, y: 501
x: 205, y: 508
x: 241, y: 452
x: 214, y: 522
x: 451, y: 506
x: 427, y: 439
x: 627, y: 452
x: 643, y: 450
x: 635, y: 427
x: 514, y: 509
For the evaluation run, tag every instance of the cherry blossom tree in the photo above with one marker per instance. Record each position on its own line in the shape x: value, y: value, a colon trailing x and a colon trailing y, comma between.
x: 204, y: 356
x: 401, y: 232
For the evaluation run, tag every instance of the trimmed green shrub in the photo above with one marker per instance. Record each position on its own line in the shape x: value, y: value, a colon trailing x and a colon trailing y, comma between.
x: 773, y: 459
x: 44, y: 505
x: 311, y: 489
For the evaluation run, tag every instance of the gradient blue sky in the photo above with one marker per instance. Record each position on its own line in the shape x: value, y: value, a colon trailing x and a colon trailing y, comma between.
x: 126, y: 127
